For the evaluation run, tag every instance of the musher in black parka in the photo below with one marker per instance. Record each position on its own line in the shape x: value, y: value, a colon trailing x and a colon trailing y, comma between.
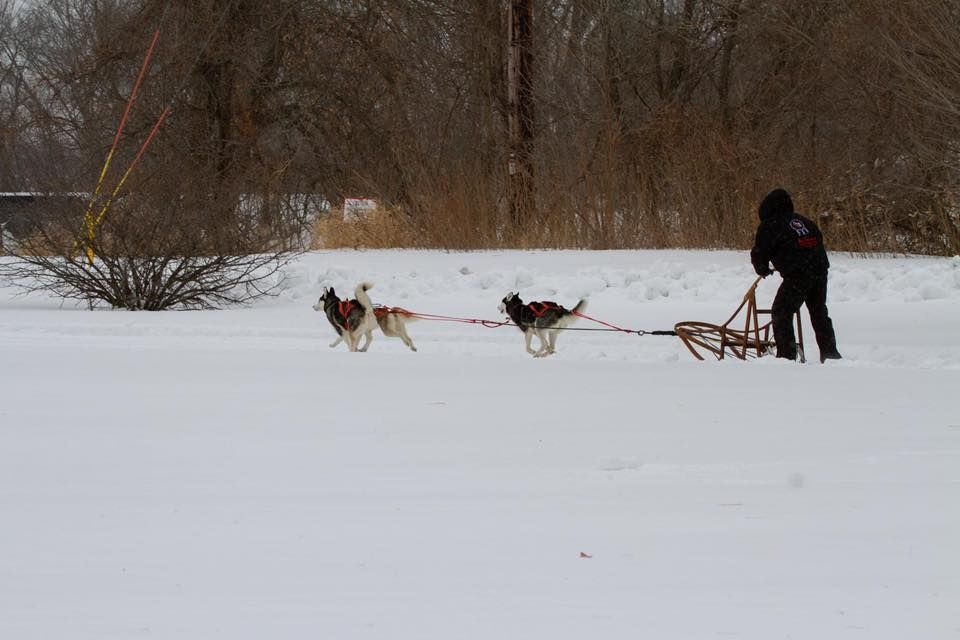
x: 794, y: 245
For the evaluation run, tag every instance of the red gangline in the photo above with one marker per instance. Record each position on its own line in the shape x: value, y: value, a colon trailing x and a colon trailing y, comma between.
x: 490, y: 324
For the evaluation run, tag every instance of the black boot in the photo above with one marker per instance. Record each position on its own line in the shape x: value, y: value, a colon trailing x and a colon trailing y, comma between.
x: 830, y: 355
x: 784, y: 337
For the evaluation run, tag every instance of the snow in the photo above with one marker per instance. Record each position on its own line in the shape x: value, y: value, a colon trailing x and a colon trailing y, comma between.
x: 226, y: 475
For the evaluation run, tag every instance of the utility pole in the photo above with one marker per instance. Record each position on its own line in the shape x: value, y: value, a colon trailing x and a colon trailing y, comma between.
x: 521, y: 113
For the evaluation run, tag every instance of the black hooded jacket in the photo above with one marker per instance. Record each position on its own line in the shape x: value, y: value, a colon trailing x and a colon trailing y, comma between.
x: 790, y: 241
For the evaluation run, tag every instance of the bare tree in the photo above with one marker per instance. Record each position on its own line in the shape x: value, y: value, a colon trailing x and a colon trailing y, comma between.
x: 922, y: 44
x: 199, y: 223
x: 12, y: 96
x: 655, y: 122
x: 521, y: 109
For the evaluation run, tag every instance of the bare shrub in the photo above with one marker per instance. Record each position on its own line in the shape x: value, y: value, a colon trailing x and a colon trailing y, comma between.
x: 145, y: 256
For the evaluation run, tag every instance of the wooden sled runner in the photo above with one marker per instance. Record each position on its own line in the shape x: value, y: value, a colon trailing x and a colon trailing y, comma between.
x: 744, y: 338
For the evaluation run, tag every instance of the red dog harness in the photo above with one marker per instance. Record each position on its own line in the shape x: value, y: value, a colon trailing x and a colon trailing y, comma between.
x: 344, y: 306
x: 544, y: 307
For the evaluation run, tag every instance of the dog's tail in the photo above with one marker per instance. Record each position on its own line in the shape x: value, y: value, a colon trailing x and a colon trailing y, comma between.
x: 580, y: 308
x: 570, y: 316
x: 360, y: 293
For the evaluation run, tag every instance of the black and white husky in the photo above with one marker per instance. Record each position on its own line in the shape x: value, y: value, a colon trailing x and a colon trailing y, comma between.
x: 544, y: 319
x: 350, y: 318
x: 358, y: 317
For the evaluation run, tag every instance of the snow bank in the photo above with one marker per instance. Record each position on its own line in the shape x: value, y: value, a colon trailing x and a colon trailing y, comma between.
x: 635, y: 276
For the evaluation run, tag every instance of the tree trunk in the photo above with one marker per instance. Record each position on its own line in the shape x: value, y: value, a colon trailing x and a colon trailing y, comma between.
x: 521, y: 110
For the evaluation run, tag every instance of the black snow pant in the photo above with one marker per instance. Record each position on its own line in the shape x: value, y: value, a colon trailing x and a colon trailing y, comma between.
x: 793, y: 292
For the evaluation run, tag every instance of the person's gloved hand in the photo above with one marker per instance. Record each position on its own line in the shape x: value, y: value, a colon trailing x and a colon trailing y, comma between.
x: 765, y: 271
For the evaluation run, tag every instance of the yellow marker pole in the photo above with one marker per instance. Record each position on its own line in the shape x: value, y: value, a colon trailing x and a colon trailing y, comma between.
x: 116, y: 190
x: 88, y: 216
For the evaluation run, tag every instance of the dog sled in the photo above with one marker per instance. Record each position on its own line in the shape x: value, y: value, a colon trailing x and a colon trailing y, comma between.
x: 742, y: 336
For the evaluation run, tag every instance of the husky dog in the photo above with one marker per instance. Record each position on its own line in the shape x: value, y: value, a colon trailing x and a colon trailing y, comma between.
x: 545, y: 319
x: 356, y: 314
x: 393, y: 322
x: 351, y: 318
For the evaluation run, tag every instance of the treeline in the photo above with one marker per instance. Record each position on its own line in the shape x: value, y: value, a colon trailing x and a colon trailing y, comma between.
x: 633, y: 123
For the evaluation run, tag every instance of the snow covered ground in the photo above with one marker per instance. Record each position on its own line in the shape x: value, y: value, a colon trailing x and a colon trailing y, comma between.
x: 226, y: 475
